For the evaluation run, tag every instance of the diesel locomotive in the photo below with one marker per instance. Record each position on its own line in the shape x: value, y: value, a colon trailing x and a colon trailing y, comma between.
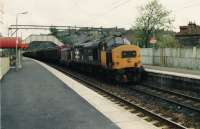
x: 112, y: 57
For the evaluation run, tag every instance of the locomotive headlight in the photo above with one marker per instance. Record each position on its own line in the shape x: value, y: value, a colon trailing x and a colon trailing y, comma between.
x: 129, y: 60
x: 116, y: 63
x: 136, y: 64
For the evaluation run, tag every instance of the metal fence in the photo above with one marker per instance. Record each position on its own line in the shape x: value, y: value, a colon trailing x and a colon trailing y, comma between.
x: 172, y: 57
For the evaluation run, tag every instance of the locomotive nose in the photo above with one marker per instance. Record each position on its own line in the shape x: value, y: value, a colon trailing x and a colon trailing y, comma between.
x: 129, y: 60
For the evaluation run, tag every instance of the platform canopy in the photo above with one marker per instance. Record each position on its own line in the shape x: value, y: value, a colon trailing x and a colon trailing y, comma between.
x: 10, y: 42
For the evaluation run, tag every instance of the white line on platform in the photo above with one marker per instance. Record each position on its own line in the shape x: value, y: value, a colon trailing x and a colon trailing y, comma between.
x: 174, y: 74
x: 120, y: 116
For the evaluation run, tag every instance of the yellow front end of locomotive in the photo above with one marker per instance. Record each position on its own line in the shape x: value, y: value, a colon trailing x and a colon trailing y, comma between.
x: 126, y: 56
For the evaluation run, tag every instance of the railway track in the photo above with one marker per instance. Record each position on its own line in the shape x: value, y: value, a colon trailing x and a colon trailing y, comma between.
x: 125, y: 100
x: 175, y: 93
x: 182, y: 101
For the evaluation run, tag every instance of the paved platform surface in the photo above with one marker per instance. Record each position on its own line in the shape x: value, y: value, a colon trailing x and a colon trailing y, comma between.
x: 174, y: 71
x: 116, y: 113
x: 33, y: 98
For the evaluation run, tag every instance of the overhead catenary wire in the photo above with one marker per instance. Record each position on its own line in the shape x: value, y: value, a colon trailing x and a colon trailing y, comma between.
x: 111, y: 10
x: 114, y: 5
x: 189, y: 2
x: 116, y: 2
x: 186, y: 7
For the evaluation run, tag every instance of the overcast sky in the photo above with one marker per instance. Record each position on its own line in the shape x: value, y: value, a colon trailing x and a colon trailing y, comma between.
x: 107, y: 13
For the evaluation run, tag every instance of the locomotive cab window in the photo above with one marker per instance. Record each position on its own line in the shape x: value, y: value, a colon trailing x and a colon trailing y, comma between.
x: 116, y: 41
x: 129, y: 54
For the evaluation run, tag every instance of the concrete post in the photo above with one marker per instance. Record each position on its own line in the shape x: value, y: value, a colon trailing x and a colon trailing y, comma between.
x: 194, y: 56
x: 153, y: 62
x: 194, y: 52
x: 162, y: 57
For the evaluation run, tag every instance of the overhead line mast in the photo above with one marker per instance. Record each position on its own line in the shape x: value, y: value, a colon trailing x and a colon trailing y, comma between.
x: 47, y: 27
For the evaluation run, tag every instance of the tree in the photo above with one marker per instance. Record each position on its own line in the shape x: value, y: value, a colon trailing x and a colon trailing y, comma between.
x: 153, y: 17
x: 166, y: 39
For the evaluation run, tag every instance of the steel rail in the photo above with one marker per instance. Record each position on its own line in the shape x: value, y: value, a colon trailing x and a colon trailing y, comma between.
x: 144, y: 110
x: 165, y: 99
x: 173, y: 93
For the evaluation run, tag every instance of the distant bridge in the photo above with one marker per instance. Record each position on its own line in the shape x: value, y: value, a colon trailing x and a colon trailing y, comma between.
x: 43, y: 38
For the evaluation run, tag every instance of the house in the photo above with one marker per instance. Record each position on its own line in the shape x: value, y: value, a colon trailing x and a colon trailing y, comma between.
x: 189, y: 35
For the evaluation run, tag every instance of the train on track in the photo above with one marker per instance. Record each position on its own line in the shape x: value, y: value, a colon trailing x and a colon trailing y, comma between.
x: 113, y: 57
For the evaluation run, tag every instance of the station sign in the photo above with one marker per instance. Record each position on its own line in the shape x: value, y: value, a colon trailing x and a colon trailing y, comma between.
x: 153, y: 40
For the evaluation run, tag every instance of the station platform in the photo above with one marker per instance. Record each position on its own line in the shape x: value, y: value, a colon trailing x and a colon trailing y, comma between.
x: 40, y: 97
x: 187, y: 73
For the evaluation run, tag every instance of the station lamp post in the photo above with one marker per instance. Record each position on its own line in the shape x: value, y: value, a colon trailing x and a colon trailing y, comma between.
x: 18, y: 53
